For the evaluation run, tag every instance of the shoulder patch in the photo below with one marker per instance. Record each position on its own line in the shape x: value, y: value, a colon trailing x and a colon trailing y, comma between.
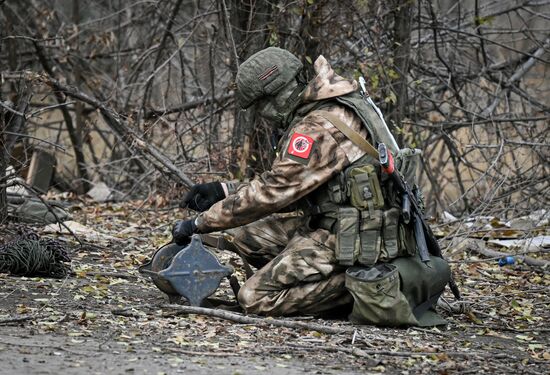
x: 300, y: 147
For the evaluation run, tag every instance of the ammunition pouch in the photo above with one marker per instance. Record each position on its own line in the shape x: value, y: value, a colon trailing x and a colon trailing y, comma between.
x: 347, y: 237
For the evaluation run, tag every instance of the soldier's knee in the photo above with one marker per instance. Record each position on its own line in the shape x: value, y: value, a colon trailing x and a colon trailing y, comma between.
x: 247, y: 298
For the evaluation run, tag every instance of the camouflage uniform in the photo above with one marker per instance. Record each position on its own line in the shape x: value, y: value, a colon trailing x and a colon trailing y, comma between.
x: 299, y: 272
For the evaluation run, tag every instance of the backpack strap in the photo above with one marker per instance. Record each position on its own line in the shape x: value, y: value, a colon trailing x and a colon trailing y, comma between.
x: 356, y: 138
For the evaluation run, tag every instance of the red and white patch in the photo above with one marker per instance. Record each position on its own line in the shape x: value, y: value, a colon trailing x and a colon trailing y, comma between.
x: 300, y: 145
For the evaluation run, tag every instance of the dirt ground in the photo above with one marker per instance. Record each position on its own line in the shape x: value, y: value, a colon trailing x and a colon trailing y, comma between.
x: 105, y: 318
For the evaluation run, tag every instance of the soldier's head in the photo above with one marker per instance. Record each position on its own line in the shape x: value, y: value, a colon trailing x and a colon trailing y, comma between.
x: 269, y: 79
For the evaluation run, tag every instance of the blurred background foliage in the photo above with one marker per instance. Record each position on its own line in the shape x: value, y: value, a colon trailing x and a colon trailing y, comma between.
x: 465, y: 81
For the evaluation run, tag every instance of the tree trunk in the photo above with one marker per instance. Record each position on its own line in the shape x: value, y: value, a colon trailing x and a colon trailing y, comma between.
x: 3, y: 155
x: 402, y: 13
x: 83, y: 181
x: 78, y: 106
x: 3, y: 166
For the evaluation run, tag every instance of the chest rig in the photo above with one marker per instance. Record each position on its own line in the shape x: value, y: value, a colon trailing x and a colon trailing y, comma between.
x: 360, y: 204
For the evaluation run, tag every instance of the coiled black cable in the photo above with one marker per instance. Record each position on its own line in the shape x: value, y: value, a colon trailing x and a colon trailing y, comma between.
x: 30, y: 255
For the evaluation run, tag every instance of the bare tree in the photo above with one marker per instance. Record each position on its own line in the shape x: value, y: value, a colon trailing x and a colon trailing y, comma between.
x: 141, y: 93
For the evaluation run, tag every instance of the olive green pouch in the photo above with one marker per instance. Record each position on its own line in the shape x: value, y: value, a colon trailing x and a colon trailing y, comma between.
x: 365, y: 194
x: 390, y: 234
x: 377, y: 296
x: 364, y: 187
x: 402, y: 292
x: 370, y: 235
x: 347, y: 237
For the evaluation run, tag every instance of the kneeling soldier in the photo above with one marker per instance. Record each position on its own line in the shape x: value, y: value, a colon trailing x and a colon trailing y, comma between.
x: 350, y: 214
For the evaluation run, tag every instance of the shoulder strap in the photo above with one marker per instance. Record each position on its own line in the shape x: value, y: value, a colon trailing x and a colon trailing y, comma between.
x: 351, y: 134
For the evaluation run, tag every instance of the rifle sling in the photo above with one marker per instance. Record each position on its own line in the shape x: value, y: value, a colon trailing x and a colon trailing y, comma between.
x: 356, y: 138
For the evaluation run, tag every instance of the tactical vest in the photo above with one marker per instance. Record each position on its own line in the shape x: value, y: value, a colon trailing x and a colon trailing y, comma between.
x: 361, y: 206
x: 389, y: 283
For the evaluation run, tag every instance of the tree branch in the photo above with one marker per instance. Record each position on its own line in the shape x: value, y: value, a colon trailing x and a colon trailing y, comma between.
x: 119, y: 126
x: 520, y: 72
x: 243, y: 319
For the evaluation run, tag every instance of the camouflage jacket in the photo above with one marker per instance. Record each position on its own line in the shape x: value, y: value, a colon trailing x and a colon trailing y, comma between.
x: 311, y: 152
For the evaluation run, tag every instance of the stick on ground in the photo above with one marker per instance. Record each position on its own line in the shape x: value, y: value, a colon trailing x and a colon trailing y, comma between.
x: 243, y: 319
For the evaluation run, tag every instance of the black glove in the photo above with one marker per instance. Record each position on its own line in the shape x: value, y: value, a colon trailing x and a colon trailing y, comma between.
x: 202, y: 196
x: 183, y: 230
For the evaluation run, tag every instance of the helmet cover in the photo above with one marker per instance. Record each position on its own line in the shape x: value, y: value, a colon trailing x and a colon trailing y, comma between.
x: 264, y: 74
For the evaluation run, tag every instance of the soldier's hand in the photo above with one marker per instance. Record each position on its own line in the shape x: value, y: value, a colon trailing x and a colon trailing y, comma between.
x: 202, y: 196
x: 183, y: 230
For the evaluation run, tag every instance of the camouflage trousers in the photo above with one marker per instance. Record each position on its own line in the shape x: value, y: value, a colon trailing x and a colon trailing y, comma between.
x: 297, y: 269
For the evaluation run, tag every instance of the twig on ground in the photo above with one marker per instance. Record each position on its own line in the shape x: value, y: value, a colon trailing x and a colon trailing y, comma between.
x: 510, y: 329
x: 367, y: 353
x: 258, y: 321
x: 120, y: 275
x: 19, y: 343
x: 18, y: 319
x: 125, y: 312
x: 430, y: 331
x: 209, y: 354
x: 499, y: 254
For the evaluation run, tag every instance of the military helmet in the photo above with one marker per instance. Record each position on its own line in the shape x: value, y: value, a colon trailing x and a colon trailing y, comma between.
x: 264, y: 74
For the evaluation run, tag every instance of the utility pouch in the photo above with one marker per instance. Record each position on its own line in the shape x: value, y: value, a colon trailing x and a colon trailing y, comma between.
x: 364, y: 187
x: 370, y: 235
x: 336, y: 189
x: 408, y: 162
x: 407, y: 242
x: 347, y: 236
x: 377, y: 296
x: 390, y: 233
